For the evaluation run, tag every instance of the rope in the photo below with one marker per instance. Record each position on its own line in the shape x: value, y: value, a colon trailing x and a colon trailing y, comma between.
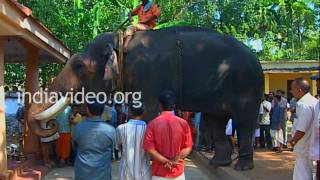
x: 120, y: 80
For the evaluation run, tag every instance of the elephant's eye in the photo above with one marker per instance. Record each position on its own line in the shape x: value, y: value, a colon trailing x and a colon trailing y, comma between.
x: 78, y: 67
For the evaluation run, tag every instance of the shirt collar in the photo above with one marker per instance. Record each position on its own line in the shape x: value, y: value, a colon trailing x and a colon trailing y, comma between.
x: 305, y: 97
x: 95, y: 118
x: 167, y: 113
x: 136, y: 121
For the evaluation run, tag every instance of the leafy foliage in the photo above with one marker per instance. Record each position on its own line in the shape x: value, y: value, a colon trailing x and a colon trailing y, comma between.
x: 14, y: 74
x: 274, y: 29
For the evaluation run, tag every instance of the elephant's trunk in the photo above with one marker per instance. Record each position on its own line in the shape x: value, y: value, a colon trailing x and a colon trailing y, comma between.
x: 46, y: 110
x: 34, y: 112
x: 39, y: 131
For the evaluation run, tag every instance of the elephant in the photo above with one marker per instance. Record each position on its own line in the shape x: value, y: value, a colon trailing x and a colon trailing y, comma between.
x: 208, y: 72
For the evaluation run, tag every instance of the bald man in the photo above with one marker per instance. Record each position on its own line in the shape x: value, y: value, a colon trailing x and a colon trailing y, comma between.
x: 301, y: 129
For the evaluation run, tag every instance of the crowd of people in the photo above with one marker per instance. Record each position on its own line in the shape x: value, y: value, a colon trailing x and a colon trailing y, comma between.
x: 90, y: 137
x: 98, y: 133
x: 303, y: 113
x: 276, y: 112
x: 271, y: 125
x: 120, y: 133
x: 136, y: 140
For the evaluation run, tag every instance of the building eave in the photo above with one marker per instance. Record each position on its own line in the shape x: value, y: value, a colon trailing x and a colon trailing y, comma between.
x: 290, y: 66
x: 18, y: 23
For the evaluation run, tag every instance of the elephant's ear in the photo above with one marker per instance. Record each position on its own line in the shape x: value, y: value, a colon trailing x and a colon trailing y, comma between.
x: 111, y: 70
x: 108, y: 52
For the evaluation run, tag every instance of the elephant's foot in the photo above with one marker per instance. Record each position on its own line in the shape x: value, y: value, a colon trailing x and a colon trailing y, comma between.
x: 222, y: 155
x: 216, y: 162
x: 244, y: 163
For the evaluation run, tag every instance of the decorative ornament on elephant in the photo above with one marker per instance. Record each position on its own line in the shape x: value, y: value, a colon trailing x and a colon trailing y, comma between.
x: 208, y: 72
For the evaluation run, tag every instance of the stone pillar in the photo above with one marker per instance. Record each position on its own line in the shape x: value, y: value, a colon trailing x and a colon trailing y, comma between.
x: 31, y: 142
x: 3, y: 153
x: 266, y: 83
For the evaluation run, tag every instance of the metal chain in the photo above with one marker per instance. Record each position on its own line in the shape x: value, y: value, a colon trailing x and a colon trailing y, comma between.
x: 179, y: 69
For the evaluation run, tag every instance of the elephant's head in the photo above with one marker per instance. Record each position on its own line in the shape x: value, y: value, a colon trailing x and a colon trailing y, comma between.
x: 89, y: 70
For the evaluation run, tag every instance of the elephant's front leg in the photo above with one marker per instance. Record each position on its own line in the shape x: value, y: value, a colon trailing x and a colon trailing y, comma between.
x: 222, y: 146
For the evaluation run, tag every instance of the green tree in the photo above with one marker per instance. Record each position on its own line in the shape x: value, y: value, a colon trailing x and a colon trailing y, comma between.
x: 288, y: 29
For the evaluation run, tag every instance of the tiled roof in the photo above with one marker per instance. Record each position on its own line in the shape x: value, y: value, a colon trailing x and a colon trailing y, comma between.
x: 27, y: 11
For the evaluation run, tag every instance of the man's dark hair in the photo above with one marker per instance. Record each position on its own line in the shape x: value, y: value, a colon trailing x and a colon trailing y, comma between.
x: 266, y: 96
x: 278, y: 97
x: 95, y: 108
x: 118, y: 107
x: 15, y: 89
x: 6, y: 89
x: 136, y: 111
x: 75, y: 105
x: 282, y: 92
x: 167, y: 100
x: 303, y: 84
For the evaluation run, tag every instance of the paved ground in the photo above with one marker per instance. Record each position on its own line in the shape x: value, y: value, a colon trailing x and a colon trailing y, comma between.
x: 193, y: 172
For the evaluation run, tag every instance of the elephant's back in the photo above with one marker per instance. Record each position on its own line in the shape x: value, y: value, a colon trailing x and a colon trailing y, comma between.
x: 194, y: 47
x: 189, y: 40
x: 192, y: 62
x: 170, y: 36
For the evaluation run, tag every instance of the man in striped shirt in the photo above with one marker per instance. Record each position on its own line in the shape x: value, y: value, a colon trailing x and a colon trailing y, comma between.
x: 134, y: 163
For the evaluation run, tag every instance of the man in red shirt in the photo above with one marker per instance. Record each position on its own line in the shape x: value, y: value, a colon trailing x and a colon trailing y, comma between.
x: 168, y: 140
x: 147, y: 13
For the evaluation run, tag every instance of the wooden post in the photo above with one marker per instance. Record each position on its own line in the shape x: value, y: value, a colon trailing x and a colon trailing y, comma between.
x: 3, y: 153
x: 31, y: 144
x: 266, y: 83
x: 314, y: 86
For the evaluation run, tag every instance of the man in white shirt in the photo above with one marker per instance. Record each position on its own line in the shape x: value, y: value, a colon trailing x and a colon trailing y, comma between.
x: 315, y: 135
x: 135, y: 162
x: 315, y: 138
x: 196, y: 121
x: 301, y: 129
x: 264, y: 122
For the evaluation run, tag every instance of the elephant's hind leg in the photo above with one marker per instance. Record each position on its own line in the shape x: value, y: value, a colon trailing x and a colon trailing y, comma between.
x: 245, y: 119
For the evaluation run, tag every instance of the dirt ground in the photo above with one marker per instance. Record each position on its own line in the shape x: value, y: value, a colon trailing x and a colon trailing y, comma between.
x: 268, y: 165
x: 192, y: 172
x: 272, y: 166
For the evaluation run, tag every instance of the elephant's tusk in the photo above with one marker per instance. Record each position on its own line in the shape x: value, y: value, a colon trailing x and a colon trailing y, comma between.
x: 54, y: 110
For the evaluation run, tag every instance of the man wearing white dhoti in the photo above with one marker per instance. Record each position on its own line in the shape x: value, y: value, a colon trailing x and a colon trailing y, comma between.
x: 315, y: 135
x: 301, y: 129
x: 134, y: 163
x: 278, y: 119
